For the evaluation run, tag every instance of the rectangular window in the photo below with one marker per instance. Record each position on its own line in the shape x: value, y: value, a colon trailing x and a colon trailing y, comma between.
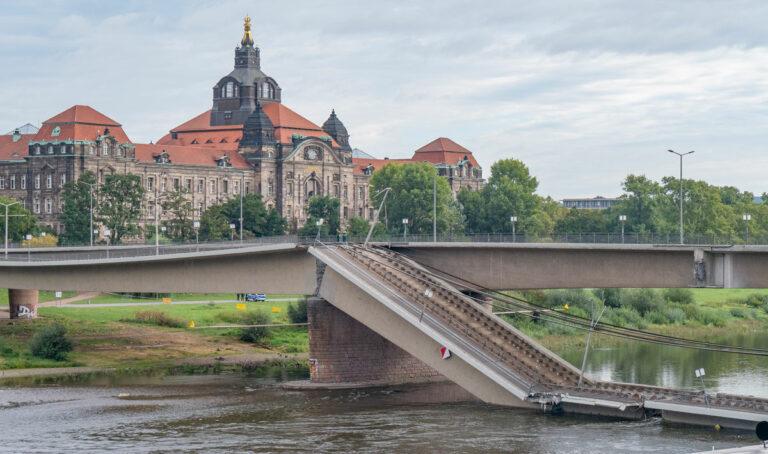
x: 346, y: 212
x: 247, y: 187
x: 37, y: 185
x: 290, y: 188
x: 176, y: 184
x: 150, y: 183
x: 2, y: 182
x: 200, y: 185
x: 237, y: 187
x: 163, y: 184
x: 23, y: 182
x: 36, y: 205
x: 188, y: 184
x: 225, y: 186
x: 271, y: 189
x: 13, y: 181
x: 63, y: 180
x: 346, y: 193
x: 361, y: 193
x: 49, y: 181
x: 213, y: 186
x: 48, y: 205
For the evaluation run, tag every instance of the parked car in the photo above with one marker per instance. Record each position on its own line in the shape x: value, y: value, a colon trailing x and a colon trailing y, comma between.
x: 255, y: 297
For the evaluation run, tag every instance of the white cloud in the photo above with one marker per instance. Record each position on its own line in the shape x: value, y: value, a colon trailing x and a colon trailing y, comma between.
x: 584, y: 92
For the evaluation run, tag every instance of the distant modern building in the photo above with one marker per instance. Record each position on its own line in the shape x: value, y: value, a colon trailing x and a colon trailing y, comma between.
x: 590, y: 203
x: 249, y: 142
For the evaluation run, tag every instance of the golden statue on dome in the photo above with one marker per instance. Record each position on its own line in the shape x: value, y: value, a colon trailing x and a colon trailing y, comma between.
x: 247, y: 38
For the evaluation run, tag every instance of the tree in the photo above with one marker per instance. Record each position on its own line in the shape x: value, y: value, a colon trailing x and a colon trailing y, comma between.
x: 510, y: 191
x: 325, y: 208
x: 120, y: 205
x: 359, y: 227
x: 582, y: 221
x: 76, y: 214
x: 179, y: 209
x: 411, y: 197
x: 20, y: 220
x: 258, y: 220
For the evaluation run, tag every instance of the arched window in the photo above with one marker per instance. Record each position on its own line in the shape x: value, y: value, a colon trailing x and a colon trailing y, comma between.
x: 229, y: 90
x: 104, y: 148
x: 268, y: 91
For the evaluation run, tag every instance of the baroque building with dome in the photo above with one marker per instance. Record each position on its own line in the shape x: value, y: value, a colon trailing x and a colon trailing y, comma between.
x: 249, y: 141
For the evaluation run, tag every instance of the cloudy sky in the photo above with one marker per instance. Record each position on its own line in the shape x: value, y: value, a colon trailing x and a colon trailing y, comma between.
x: 584, y: 92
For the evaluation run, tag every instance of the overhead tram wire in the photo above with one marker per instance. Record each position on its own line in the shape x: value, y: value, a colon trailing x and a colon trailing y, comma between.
x: 573, y: 321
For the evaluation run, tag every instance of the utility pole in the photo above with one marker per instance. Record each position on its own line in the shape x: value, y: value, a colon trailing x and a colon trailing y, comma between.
x: 681, y: 190
x: 7, y: 206
x: 90, y: 200
x: 434, y: 207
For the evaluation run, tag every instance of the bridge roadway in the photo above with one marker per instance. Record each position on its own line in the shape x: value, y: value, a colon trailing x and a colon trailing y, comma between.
x: 281, y: 265
x: 419, y: 312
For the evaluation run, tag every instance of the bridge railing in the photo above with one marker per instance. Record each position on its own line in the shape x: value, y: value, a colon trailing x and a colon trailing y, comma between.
x: 17, y: 253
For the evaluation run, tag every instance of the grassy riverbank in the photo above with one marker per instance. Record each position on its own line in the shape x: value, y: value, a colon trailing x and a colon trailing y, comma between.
x: 125, y: 336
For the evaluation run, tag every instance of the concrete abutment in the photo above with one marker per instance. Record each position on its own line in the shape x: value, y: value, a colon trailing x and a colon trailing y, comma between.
x: 23, y: 303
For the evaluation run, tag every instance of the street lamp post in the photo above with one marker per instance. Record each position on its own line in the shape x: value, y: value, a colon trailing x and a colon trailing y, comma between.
x: 622, y: 219
x: 434, y: 207
x: 318, y: 223
x: 513, y: 220
x: 746, y: 217
x: 242, y: 187
x: 90, y: 212
x: 7, y: 206
x: 681, y: 190
x: 232, y: 230
x: 196, y: 226
x: 405, y: 230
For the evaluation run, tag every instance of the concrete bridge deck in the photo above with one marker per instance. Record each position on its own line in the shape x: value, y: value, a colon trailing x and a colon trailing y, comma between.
x: 420, y: 313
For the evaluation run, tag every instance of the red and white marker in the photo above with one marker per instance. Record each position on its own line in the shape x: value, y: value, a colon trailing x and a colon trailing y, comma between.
x: 445, y: 353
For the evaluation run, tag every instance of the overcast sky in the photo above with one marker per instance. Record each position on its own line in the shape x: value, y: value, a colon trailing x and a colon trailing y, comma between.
x: 584, y: 92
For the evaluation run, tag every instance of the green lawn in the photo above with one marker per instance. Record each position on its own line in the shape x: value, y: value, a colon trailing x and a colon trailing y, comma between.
x: 717, y: 296
x: 202, y: 314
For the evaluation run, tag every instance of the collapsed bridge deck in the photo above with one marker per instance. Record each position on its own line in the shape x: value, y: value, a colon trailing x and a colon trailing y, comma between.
x: 531, y: 374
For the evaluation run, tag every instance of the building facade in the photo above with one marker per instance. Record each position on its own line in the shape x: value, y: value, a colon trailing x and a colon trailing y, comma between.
x: 591, y: 203
x: 249, y: 142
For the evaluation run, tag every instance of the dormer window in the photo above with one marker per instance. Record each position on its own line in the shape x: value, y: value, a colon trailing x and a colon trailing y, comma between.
x: 56, y: 131
x: 368, y: 170
x: 267, y: 91
x: 63, y: 149
x: 163, y: 158
x: 37, y: 149
x: 223, y: 161
x: 50, y: 149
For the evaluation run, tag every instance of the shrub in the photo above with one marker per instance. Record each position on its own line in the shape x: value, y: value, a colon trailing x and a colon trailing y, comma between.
x: 611, y: 296
x: 642, y: 300
x: 556, y: 299
x: 157, y: 318
x: 255, y: 334
x: 739, y: 312
x: 676, y: 315
x: 679, y: 295
x: 711, y: 317
x: 656, y: 317
x: 755, y: 300
x: 51, y: 343
x: 625, y: 316
x: 298, y: 313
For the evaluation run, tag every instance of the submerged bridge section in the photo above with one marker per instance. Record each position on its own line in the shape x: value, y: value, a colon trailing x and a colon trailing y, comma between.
x: 421, y: 313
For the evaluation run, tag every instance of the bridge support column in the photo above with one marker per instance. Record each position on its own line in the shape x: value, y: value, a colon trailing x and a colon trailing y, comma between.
x: 23, y: 303
x: 344, y: 351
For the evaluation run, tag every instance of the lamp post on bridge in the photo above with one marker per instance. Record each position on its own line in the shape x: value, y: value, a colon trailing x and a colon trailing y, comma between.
x: 681, y: 190
x: 405, y: 230
x: 319, y: 224
x: 7, y: 206
x: 622, y: 219
x: 90, y: 211
x: 513, y: 220
x: 746, y: 217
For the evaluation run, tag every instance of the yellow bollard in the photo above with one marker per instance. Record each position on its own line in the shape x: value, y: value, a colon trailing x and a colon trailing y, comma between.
x: 240, y: 306
x: 276, y: 310
x: 166, y: 301
x: 191, y: 324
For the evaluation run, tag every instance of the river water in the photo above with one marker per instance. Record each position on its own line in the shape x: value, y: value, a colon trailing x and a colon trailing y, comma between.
x: 237, y: 413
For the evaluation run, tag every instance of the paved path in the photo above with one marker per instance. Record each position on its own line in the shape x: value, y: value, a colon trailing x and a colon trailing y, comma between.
x: 160, y: 303
x: 79, y: 297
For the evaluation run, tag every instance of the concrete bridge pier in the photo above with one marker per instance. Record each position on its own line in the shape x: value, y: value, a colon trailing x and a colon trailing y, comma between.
x: 23, y: 303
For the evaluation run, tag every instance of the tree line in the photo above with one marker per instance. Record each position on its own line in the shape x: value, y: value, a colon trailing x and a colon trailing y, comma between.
x: 650, y: 207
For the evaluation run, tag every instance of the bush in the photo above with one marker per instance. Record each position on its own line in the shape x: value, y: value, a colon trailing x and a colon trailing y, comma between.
x: 611, y: 296
x: 642, y: 300
x: 755, y: 300
x: 157, y: 318
x: 298, y: 313
x: 556, y: 299
x: 711, y: 317
x: 51, y: 343
x: 657, y: 317
x: 625, y: 317
x: 679, y: 295
x: 676, y: 315
x: 255, y: 334
x: 739, y: 312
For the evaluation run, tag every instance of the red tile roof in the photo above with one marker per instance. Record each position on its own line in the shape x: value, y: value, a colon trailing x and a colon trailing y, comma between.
x: 14, y: 151
x: 80, y: 123
x: 361, y: 163
x: 189, y: 155
x: 286, y: 123
x: 443, y: 151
